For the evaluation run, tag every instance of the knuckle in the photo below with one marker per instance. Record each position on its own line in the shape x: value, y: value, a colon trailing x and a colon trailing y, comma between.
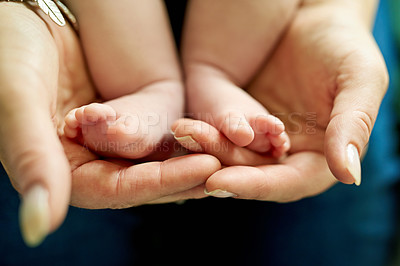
x: 123, y: 192
x: 160, y: 177
x: 365, y: 123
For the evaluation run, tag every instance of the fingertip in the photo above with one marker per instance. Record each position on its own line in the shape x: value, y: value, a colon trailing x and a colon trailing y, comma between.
x: 342, y: 151
x: 342, y: 162
x: 219, y: 193
x: 40, y: 213
x: 189, y: 143
x: 353, y: 163
x: 34, y: 215
x: 237, y: 181
x: 336, y: 160
x: 176, y: 124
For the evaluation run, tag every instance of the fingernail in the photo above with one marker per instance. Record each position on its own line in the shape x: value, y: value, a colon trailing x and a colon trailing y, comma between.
x: 34, y: 216
x: 219, y: 193
x: 354, y: 163
x: 189, y: 143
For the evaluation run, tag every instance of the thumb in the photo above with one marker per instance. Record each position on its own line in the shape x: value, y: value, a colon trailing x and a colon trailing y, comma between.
x: 34, y: 159
x: 356, y: 105
x: 30, y: 149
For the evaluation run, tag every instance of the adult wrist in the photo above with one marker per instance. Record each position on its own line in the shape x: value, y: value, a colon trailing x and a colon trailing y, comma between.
x: 56, y: 10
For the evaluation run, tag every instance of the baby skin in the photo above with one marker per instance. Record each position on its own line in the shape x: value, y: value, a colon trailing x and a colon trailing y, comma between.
x: 225, y: 43
x: 134, y: 66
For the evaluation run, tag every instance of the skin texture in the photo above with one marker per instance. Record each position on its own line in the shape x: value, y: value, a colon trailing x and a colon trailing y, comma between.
x: 133, y: 62
x: 224, y: 45
x: 55, y: 80
x: 326, y: 63
x: 325, y: 81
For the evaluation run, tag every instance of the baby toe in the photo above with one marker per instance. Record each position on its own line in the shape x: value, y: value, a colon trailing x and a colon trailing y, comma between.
x: 279, y: 140
x: 278, y: 152
x: 70, y: 132
x: 79, y: 115
x: 70, y: 119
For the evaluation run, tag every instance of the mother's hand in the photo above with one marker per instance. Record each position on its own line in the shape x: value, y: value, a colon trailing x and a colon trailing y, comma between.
x: 43, y: 76
x: 325, y: 81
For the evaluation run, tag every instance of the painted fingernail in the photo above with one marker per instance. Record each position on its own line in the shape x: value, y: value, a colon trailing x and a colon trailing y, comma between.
x: 354, y: 163
x: 189, y: 143
x: 219, y: 193
x: 34, y: 214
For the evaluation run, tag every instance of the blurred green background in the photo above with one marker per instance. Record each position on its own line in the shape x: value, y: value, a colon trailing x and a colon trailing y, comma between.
x: 395, y: 13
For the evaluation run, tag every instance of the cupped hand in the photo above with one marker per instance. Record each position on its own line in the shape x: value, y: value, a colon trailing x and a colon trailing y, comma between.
x: 325, y: 81
x: 43, y: 76
x: 36, y: 59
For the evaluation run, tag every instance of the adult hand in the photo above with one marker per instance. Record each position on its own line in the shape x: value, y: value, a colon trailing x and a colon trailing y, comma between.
x: 43, y: 76
x: 325, y: 80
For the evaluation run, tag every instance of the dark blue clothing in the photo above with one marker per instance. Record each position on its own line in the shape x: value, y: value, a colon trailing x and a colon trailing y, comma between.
x: 344, y: 226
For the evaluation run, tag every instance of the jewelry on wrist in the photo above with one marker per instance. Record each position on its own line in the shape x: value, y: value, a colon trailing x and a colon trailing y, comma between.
x: 56, y: 10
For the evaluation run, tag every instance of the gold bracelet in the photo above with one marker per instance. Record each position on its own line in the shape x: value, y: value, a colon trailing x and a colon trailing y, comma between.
x: 54, y: 9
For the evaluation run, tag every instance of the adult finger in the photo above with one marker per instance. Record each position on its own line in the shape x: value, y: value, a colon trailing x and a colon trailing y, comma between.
x: 362, y: 82
x: 29, y: 146
x: 181, y: 197
x: 199, y: 136
x: 300, y: 175
x: 98, y: 184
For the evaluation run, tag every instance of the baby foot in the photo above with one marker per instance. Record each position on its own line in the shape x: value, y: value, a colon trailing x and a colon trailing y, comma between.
x: 243, y: 120
x: 262, y: 132
x: 102, y: 129
x: 270, y: 135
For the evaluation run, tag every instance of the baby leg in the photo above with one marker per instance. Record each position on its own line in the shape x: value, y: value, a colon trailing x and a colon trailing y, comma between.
x: 132, y: 58
x: 225, y: 43
x: 239, y: 116
x: 130, y: 126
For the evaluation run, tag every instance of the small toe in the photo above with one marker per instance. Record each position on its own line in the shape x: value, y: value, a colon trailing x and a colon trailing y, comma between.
x: 282, y: 150
x: 79, y: 115
x: 70, y: 119
x: 281, y: 144
x: 70, y: 132
x: 278, y: 140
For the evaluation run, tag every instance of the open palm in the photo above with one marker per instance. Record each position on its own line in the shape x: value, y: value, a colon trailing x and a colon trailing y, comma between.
x: 43, y: 77
x: 325, y: 80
